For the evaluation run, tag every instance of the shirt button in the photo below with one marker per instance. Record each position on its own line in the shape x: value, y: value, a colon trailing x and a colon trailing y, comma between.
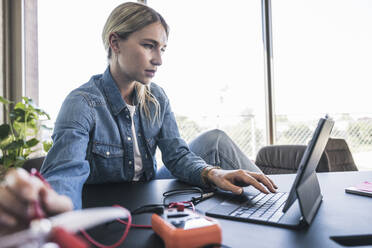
x: 127, y: 116
x: 108, y: 153
x: 130, y: 162
x: 129, y: 138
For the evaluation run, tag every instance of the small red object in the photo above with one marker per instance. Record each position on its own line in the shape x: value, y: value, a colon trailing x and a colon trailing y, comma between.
x: 37, y: 174
x: 38, y: 211
x: 67, y: 240
x: 180, y: 207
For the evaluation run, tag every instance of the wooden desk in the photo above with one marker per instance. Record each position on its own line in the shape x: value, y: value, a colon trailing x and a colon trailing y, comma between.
x: 339, y: 214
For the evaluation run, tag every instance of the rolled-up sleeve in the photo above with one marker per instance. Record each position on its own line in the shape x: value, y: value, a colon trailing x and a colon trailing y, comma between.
x: 176, y: 155
x: 65, y: 166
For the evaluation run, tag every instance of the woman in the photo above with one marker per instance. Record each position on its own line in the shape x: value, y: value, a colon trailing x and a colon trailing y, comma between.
x: 108, y: 129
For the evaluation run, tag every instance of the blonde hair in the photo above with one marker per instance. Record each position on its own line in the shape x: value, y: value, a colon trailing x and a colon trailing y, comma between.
x: 124, y: 20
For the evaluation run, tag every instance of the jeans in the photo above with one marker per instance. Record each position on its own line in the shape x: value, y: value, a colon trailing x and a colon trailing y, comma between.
x: 216, y: 148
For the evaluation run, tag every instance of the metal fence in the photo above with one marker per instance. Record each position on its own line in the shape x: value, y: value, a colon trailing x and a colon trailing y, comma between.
x: 356, y: 129
x: 243, y: 130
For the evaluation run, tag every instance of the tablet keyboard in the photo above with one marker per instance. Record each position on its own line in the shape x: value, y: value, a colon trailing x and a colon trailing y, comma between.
x: 265, y: 207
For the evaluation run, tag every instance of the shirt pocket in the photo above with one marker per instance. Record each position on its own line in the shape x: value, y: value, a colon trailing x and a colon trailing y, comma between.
x: 107, y: 163
x: 107, y: 151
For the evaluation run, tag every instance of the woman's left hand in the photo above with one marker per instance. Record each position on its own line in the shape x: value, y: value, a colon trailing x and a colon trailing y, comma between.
x: 18, y: 194
x: 233, y: 180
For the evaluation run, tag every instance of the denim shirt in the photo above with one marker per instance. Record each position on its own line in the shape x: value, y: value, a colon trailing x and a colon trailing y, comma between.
x: 92, y: 140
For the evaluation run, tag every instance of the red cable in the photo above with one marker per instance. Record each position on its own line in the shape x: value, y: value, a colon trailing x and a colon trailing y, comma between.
x: 134, y: 225
x: 119, y: 242
x: 128, y: 226
x: 36, y: 173
x: 38, y: 212
x: 174, y: 204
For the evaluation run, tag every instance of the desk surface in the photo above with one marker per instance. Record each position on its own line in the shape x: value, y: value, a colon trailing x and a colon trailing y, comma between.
x: 339, y: 214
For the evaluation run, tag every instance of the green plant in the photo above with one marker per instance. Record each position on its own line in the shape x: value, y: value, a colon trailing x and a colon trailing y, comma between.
x: 18, y: 137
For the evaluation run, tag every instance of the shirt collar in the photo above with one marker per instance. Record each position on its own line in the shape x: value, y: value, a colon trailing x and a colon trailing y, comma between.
x: 112, y: 93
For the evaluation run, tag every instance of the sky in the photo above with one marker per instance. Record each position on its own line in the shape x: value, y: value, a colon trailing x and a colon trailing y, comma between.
x: 214, y: 61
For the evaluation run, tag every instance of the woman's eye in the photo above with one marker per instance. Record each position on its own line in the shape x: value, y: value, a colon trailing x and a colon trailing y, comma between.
x: 150, y: 46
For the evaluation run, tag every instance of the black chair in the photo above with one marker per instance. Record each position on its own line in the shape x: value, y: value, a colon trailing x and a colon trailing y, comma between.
x: 339, y: 155
x: 283, y: 159
x: 33, y: 163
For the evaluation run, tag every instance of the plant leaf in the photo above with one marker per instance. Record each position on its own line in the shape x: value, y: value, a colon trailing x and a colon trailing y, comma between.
x: 18, y: 138
x: 5, y: 142
x: 4, y: 131
x: 28, y: 101
x: 8, y: 162
x: 32, y: 142
x: 17, y: 114
x: 41, y: 112
x: 19, y: 161
x: 47, y: 145
x: 5, y: 101
x: 20, y: 105
x: 14, y: 145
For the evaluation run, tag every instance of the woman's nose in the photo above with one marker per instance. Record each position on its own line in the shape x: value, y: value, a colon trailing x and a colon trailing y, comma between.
x: 156, y: 59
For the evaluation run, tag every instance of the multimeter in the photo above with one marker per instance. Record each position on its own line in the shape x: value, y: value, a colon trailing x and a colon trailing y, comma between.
x: 182, y: 228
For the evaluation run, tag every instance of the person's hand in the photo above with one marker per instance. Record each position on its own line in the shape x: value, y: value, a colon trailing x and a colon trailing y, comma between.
x: 233, y: 180
x: 18, y: 193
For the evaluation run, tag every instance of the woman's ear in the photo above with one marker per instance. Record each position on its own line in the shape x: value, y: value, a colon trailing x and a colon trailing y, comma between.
x: 114, y: 42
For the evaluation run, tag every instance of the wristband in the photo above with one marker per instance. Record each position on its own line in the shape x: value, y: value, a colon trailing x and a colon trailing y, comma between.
x: 204, y: 175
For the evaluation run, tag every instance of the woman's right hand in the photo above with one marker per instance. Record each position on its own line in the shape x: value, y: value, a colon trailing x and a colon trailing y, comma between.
x: 18, y: 193
x: 235, y: 180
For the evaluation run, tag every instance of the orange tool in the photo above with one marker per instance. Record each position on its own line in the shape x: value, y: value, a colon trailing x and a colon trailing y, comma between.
x: 183, y: 228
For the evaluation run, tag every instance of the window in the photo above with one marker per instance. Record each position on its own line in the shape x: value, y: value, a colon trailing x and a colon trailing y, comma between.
x: 213, y: 68
x: 322, y: 58
x: 70, y: 47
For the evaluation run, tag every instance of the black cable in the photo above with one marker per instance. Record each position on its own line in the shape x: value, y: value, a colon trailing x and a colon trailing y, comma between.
x: 204, y: 196
x: 182, y: 191
x: 150, y: 208
x: 186, y: 191
x: 159, y: 208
